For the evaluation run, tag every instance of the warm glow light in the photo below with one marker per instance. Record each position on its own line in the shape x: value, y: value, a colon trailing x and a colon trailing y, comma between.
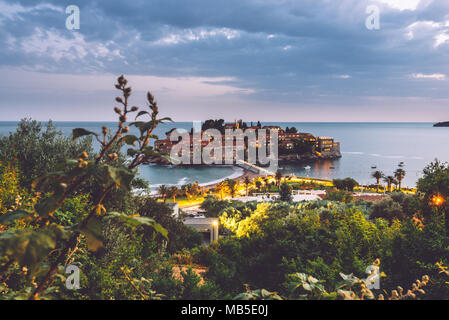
x: 215, y: 223
x: 438, y: 200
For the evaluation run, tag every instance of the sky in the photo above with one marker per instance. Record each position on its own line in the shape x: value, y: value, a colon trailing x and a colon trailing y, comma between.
x: 270, y: 60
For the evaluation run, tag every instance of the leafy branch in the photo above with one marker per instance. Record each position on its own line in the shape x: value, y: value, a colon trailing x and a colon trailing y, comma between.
x: 32, y: 246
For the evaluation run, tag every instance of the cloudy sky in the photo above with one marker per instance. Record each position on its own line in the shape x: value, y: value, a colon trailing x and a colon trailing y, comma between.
x: 278, y: 60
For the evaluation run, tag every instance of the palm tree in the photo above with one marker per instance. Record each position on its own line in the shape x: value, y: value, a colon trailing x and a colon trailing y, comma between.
x: 222, y: 188
x: 269, y: 185
x: 389, y: 180
x: 173, y: 192
x: 246, y: 182
x: 396, y: 183
x: 399, y: 174
x: 232, y: 185
x: 377, y: 175
x: 163, y: 190
x: 265, y: 183
x: 193, y: 191
x: 278, y: 176
x: 258, y: 184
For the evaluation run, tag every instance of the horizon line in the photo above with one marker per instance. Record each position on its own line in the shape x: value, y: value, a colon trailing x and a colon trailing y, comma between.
x: 110, y: 121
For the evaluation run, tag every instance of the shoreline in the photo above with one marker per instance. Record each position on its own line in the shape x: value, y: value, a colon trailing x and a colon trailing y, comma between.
x: 238, y: 174
x: 245, y: 173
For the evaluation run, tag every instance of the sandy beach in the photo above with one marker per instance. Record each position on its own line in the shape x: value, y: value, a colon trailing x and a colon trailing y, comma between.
x: 245, y: 173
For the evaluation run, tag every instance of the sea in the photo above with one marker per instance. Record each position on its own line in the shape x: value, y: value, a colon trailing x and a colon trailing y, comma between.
x: 363, y: 146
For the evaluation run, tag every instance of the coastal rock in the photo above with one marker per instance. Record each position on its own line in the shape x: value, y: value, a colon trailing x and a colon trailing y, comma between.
x: 442, y: 124
x: 156, y: 160
x: 309, y: 156
x: 282, y: 158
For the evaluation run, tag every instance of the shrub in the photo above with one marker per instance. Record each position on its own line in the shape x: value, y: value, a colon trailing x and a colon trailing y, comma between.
x: 38, y: 150
x: 388, y: 210
x: 347, y: 184
x: 285, y: 192
x: 339, y: 195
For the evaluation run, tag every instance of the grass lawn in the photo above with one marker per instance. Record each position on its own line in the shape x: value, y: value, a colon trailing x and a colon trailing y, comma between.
x: 184, y: 202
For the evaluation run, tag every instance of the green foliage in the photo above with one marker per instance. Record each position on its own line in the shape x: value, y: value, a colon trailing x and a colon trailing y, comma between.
x: 435, y: 180
x: 387, y: 209
x: 305, y: 286
x: 72, y: 210
x: 38, y: 150
x: 232, y: 185
x: 378, y: 175
x: 9, y: 187
x: 191, y: 289
x: 326, y: 240
x: 179, y: 236
x: 339, y: 195
x: 285, y: 192
x: 31, y: 245
x: 279, y: 239
x: 82, y: 211
x: 259, y: 294
x: 192, y: 191
x: 214, y: 207
x: 347, y: 184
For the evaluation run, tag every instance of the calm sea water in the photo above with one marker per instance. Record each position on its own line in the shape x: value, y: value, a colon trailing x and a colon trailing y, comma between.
x: 362, y: 144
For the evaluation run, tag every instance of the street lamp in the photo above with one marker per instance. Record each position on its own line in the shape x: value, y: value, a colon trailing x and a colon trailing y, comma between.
x: 214, y: 231
x: 438, y: 200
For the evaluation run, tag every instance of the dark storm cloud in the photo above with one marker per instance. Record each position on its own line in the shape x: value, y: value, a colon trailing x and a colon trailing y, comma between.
x: 313, y: 51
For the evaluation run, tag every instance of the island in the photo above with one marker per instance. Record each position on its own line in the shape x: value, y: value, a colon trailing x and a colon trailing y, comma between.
x: 293, y: 146
x: 442, y: 124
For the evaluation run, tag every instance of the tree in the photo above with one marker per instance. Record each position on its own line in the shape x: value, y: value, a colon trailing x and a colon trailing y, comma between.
x: 258, y: 184
x: 11, y: 193
x: 389, y: 180
x: 303, y: 146
x: 49, y: 242
x: 388, y: 210
x: 396, y: 183
x: 435, y: 186
x: 435, y: 180
x: 37, y: 149
x: 214, y: 124
x: 347, y: 184
x: 222, y: 189
x: 278, y: 176
x: 339, y: 195
x: 285, y: 192
x: 163, y: 191
x: 232, y: 186
x: 247, y: 183
x: 193, y: 191
x: 378, y: 175
x: 181, y: 236
x: 213, y: 207
x: 266, y: 182
x: 173, y: 191
x: 399, y: 174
